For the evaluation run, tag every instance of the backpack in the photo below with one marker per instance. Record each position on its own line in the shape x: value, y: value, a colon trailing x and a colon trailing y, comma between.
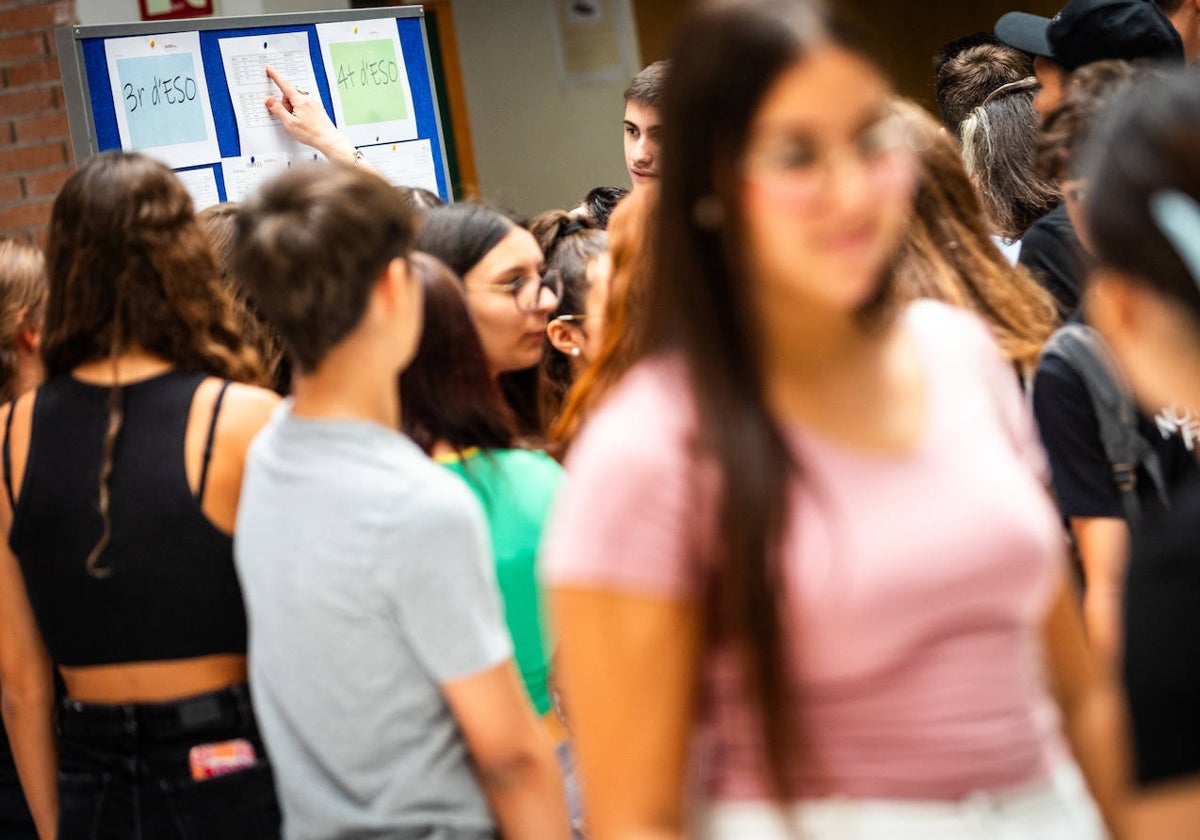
x: 1116, y: 415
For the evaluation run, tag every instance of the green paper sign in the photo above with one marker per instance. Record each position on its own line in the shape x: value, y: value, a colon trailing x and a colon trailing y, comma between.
x: 369, y: 81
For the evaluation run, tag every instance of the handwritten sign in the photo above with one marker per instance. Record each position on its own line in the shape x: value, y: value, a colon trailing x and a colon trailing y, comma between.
x: 368, y: 79
x: 372, y: 97
x: 161, y: 98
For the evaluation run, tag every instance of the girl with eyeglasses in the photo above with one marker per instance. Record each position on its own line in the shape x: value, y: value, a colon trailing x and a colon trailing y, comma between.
x: 509, y: 293
x: 806, y: 576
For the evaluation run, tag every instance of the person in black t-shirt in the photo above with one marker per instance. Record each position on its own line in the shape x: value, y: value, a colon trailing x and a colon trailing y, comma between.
x: 1144, y: 219
x: 1082, y: 472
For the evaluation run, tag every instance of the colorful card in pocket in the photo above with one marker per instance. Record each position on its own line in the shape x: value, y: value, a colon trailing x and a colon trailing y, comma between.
x: 211, y: 760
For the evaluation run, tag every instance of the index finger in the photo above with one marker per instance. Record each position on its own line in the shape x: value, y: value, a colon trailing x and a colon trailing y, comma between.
x: 285, y: 86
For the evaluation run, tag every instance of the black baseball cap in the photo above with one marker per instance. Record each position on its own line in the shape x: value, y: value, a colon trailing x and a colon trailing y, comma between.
x: 1094, y: 30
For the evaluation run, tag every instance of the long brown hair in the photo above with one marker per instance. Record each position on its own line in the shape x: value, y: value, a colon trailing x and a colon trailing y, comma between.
x: 219, y: 223
x: 999, y: 144
x: 447, y: 394
x: 948, y: 253
x: 727, y: 57
x: 22, y: 304
x: 128, y: 267
x: 624, y: 318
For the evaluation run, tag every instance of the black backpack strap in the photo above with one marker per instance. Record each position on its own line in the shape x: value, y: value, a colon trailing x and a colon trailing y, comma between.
x: 1116, y: 415
x: 208, y: 443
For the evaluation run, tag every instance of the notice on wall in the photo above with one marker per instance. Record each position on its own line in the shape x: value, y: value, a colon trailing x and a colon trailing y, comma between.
x: 372, y: 101
x: 588, y: 41
x: 245, y: 174
x: 161, y: 98
x: 201, y: 185
x: 405, y: 164
x: 245, y: 60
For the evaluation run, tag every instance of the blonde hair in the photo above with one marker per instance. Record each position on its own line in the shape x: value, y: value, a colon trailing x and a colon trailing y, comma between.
x: 22, y: 304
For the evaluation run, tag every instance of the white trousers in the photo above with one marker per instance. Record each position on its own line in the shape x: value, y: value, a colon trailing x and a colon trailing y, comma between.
x: 1059, y: 808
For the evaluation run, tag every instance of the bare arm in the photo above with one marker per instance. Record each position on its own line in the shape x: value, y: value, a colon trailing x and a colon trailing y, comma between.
x: 303, y: 115
x: 1103, y: 547
x: 1092, y: 710
x: 517, y: 767
x: 628, y: 668
x: 26, y: 675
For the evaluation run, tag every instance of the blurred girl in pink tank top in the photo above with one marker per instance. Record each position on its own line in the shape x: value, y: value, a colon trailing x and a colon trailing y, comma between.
x: 807, y: 579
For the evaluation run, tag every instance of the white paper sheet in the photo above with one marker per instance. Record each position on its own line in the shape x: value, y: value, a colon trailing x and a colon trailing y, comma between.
x: 201, y: 184
x: 161, y: 98
x: 243, y: 175
x: 245, y: 60
x: 372, y: 99
x: 405, y: 164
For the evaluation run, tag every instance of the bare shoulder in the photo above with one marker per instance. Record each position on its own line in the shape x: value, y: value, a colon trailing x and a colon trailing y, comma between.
x: 245, y: 409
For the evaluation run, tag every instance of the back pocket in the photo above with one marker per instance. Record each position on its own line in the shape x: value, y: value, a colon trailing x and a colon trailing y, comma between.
x: 236, y: 806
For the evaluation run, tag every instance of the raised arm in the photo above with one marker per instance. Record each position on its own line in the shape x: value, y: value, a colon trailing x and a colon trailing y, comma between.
x: 303, y: 115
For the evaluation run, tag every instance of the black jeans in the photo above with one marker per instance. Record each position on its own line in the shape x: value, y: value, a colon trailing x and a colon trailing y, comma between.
x: 124, y: 772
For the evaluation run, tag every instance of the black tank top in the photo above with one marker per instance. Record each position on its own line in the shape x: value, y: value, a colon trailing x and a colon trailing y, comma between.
x: 173, y: 591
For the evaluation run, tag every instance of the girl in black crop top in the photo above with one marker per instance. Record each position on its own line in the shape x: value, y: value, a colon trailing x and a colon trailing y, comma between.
x: 121, y: 477
x: 1143, y: 216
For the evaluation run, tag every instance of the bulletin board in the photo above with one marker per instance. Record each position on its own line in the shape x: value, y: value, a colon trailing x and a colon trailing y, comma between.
x: 190, y: 93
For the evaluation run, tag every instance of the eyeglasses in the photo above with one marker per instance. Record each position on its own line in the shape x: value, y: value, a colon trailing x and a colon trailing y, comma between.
x: 805, y: 170
x: 527, y: 292
x: 570, y: 319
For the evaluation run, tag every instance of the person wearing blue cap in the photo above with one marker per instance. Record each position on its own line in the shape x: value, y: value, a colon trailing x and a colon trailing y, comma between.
x: 1085, y: 31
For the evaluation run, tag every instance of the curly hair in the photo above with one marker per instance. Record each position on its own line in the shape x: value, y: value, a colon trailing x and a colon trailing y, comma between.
x: 129, y: 267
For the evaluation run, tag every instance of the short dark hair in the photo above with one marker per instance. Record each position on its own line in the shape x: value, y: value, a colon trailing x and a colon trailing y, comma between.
x: 1169, y: 7
x: 311, y: 245
x: 599, y: 203
x: 959, y: 45
x: 965, y: 81
x: 646, y: 88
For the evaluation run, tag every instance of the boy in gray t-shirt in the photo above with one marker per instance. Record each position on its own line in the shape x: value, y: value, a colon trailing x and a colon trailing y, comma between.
x: 380, y: 664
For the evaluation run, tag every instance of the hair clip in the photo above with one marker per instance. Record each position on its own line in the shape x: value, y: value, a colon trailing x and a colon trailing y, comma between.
x: 1028, y: 84
x: 1178, y: 217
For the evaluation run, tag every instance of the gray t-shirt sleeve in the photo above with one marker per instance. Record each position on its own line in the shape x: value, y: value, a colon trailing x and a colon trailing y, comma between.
x: 446, y: 596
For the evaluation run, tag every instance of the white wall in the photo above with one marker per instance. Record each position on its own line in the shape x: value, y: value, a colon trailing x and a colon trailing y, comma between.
x: 538, y: 145
x: 124, y: 11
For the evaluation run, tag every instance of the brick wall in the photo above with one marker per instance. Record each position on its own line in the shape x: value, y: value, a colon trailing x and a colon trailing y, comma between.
x: 35, y: 151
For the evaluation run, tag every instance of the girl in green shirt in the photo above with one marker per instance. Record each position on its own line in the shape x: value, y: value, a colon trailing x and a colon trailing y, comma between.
x: 452, y: 408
